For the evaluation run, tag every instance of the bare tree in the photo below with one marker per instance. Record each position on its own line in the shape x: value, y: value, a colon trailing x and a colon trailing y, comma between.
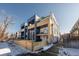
x: 4, y: 26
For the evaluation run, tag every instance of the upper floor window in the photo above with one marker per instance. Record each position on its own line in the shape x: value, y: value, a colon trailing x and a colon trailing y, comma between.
x: 44, y: 30
x: 22, y: 27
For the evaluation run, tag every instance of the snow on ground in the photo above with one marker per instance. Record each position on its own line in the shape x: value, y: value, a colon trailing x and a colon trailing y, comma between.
x: 47, y: 47
x: 4, y: 51
x: 10, y: 48
x: 43, y: 49
x: 68, y: 52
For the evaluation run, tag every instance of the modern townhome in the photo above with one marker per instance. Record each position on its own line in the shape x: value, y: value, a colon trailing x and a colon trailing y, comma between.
x: 23, y: 31
x: 41, y: 31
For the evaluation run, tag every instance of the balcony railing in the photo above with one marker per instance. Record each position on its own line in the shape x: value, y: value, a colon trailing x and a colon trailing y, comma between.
x: 31, y: 26
x: 42, y: 35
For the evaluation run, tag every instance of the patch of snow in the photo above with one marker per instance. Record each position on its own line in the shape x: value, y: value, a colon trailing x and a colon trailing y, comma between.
x: 47, y: 47
x: 69, y: 52
x: 12, y: 49
x: 4, y: 50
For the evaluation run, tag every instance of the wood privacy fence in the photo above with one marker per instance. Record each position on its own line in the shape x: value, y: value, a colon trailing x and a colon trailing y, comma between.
x: 71, y: 42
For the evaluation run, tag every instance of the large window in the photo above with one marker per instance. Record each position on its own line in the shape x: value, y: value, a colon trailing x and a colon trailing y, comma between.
x: 44, y: 30
x: 31, y: 34
x: 22, y: 35
x: 44, y: 38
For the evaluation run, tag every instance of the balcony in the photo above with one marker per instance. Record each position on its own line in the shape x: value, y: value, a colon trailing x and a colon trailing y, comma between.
x: 42, y: 22
x: 42, y: 35
x: 42, y: 30
x: 31, y: 26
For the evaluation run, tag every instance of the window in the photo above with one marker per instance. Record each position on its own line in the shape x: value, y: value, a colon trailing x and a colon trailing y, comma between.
x: 22, y: 27
x: 44, y: 30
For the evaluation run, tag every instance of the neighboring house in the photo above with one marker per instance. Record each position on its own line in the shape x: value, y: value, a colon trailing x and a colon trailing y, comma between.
x: 41, y: 29
x: 18, y: 35
x: 11, y: 36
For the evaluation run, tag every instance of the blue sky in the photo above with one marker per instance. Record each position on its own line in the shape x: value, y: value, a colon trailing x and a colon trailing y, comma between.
x: 66, y: 14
